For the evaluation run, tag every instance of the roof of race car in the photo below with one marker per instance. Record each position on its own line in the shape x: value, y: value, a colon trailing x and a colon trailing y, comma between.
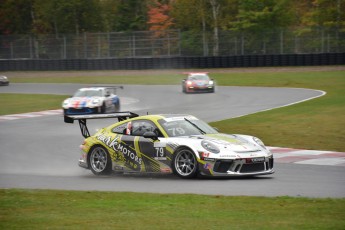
x: 167, y: 117
x: 198, y: 76
x: 91, y: 88
x: 196, y: 73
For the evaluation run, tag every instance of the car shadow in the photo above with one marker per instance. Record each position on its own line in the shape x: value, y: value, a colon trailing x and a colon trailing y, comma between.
x: 171, y: 176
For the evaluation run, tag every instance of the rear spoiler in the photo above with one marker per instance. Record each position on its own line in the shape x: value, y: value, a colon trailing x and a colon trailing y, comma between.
x: 121, y: 116
x: 195, y: 72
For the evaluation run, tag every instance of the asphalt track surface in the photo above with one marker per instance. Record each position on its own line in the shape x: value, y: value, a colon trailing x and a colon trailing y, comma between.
x: 42, y: 152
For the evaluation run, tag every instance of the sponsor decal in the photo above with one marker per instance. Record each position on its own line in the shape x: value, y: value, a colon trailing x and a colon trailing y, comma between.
x: 170, y: 119
x: 205, y: 154
x: 258, y: 159
x: 209, y: 159
x: 207, y: 166
x: 117, y: 146
x: 160, y: 158
x: 159, y: 144
x: 229, y: 156
x: 166, y: 170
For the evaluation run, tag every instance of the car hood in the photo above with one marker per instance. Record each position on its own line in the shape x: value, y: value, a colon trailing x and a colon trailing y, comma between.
x: 235, y: 143
x: 200, y: 82
x: 82, y: 99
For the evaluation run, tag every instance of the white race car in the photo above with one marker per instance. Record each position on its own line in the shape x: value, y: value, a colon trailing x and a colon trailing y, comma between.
x: 180, y: 144
x: 93, y: 100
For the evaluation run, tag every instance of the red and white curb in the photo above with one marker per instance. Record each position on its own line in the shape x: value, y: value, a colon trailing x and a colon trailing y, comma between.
x: 30, y: 115
x: 312, y: 157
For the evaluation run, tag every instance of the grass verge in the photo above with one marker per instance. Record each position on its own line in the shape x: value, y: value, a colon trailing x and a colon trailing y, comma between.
x: 42, y: 209
x: 22, y: 103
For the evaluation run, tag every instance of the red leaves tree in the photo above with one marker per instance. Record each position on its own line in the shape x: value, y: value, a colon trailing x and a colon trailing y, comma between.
x: 158, y: 18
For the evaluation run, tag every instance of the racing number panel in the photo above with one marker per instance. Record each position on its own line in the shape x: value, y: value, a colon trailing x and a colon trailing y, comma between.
x: 140, y: 154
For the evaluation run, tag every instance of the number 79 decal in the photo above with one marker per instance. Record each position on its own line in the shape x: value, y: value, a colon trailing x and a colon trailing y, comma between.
x: 160, y: 154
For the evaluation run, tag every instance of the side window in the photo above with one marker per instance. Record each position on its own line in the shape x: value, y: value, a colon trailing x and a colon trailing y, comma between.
x: 139, y: 127
x: 120, y: 129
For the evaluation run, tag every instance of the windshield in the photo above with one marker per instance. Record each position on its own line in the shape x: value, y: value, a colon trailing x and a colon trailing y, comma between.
x: 199, y: 77
x: 179, y: 126
x: 88, y: 93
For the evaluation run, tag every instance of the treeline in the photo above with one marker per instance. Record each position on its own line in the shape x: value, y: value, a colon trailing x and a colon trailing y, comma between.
x: 79, y: 16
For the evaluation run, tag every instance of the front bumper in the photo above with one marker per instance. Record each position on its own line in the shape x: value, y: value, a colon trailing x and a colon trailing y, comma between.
x: 200, y: 89
x: 237, y: 167
x: 4, y: 82
x: 83, y: 164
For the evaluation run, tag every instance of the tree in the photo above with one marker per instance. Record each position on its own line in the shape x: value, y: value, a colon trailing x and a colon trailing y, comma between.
x: 325, y: 13
x: 159, y: 18
x: 74, y: 16
x: 125, y: 15
x: 262, y: 15
x: 15, y: 16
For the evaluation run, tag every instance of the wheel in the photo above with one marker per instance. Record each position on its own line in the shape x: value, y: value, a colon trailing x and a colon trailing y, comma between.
x: 183, y: 88
x: 103, y: 109
x: 100, y: 161
x: 117, y: 107
x: 185, y: 164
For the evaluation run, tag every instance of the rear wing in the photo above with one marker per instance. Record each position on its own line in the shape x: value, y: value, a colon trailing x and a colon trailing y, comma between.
x: 195, y: 73
x: 112, y: 88
x: 83, y: 118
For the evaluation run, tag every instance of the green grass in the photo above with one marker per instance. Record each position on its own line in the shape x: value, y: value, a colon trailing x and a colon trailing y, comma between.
x: 22, y: 103
x: 44, y: 209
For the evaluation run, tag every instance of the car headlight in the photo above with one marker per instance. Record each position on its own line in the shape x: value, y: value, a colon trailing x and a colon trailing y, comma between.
x: 210, y: 82
x: 259, y: 142
x: 95, y: 101
x: 210, y: 146
x: 65, y: 102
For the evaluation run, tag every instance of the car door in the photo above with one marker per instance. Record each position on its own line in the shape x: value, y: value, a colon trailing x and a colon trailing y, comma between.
x: 143, y: 154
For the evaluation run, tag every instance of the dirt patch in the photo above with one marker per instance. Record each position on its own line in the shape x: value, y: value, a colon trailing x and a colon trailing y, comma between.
x: 95, y: 73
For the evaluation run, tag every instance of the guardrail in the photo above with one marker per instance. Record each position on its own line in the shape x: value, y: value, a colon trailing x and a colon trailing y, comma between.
x: 174, y: 62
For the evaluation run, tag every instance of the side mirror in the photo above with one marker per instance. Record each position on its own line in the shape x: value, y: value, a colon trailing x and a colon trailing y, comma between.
x: 151, y: 135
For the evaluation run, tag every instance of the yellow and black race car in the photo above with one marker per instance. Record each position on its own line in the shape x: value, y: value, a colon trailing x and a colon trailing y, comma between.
x: 173, y: 143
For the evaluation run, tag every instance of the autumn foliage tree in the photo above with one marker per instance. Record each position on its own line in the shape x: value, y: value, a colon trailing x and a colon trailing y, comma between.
x: 159, y: 19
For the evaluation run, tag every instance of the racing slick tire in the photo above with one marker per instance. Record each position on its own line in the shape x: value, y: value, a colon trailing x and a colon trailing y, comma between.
x: 102, y: 108
x: 184, y: 163
x: 100, y: 161
x: 117, y: 107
